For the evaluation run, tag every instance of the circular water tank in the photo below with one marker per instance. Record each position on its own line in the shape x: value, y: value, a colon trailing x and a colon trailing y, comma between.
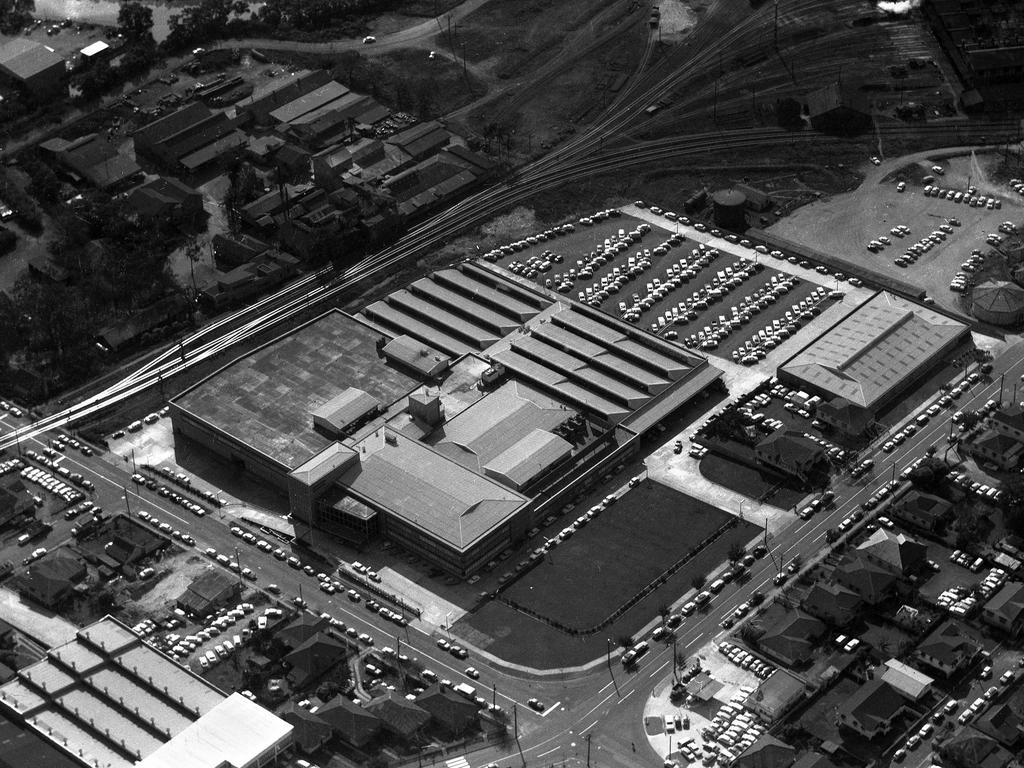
x: 730, y: 209
x: 998, y: 302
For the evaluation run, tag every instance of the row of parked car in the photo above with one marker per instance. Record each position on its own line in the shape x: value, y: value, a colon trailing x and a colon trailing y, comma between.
x: 970, y: 196
x: 746, y: 660
x: 519, y: 245
x: 167, y: 528
x: 723, y: 283
x: 778, y: 330
x: 55, y: 485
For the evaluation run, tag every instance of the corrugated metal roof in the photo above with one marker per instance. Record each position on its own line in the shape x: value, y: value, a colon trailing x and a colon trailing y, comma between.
x: 343, y: 409
x: 528, y: 457
x: 874, y: 349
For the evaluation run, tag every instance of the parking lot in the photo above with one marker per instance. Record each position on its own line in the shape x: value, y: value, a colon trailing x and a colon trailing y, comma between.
x: 845, y: 224
x: 732, y: 306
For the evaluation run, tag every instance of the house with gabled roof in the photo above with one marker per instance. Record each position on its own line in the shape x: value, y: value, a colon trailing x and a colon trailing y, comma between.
x: 872, y: 709
x: 452, y: 712
x: 310, y: 732
x: 969, y: 748
x: 832, y: 603
x: 1003, y: 724
x: 792, y: 638
x: 921, y: 510
x: 766, y: 752
x: 871, y: 582
x: 352, y: 723
x: 789, y: 452
x: 950, y: 648
x: 895, y: 552
x: 1005, y: 610
x: 313, y: 657
x: 399, y: 716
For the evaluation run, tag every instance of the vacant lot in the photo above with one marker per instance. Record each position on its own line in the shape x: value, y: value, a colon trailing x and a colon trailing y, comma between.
x: 843, y: 224
x: 587, y: 577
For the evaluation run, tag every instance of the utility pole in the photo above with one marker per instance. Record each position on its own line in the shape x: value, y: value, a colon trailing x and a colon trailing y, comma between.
x: 494, y: 695
x: 515, y: 726
x: 588, y: 749
x: 135, y: 469
x: 126, y: 504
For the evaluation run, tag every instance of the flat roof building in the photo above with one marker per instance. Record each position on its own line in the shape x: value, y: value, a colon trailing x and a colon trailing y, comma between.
x: 874, y: 353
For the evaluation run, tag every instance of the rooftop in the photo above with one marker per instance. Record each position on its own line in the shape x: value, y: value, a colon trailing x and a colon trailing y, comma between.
x: 428, y: 490
x: 264, y: 399
x: 25, y: 58
x: 873, y: 702
x: 236, y: 732
x: 874, y: 349
x: 904, y: 678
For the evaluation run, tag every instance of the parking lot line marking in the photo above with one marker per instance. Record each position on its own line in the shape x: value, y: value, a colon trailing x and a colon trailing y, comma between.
x: 551, y: 709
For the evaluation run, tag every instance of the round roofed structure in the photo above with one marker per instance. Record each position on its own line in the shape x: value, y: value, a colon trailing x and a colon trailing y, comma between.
x: 730, y: 209
x: 999, y: 302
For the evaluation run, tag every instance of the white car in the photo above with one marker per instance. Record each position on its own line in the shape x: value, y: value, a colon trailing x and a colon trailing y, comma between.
x: 369, y: 39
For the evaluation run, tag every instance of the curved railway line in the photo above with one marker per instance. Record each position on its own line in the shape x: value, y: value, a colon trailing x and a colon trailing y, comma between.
x: 582, y: 156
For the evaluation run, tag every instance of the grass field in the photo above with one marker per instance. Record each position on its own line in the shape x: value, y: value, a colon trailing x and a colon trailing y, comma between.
x: 587, y: 577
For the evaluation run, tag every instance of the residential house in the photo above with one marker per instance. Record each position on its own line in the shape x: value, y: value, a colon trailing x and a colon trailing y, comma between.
x: 1009, y: 421
x: 777, y: 695
x: 313, y: 658
x: 251, y: 279
x: 168, y: 199
x: 400, y: 717
x: 789, y: 452
x: 302, y: 629
x: 1004, y: 725
x: 969, y: 748
x: 910, y: 683
x: 832, y: 603
x: 992, y: 446
x: 209, y: 591
x: 1005, y: 610
x: 949, y: 648
x: 164, y: 312
x: 229, y: 252
x: 922, y: 510
x: 793, y: 638
x: 872, y: 709
x: 844, y: 416
x: 311, y: 732
x: 871, y: 582
x: 52, y: 580
x: 352, y: 723
x: 766, y: 752
x: 896, y: 552
x: 452, y: 712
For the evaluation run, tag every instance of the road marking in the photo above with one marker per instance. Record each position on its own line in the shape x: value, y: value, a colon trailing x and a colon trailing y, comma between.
x: 553, y: 749
x: 551, y: 709
x: 590, y: 726
x: 631, y: 692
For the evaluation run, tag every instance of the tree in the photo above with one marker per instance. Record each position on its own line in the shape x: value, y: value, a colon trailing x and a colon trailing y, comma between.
x: 664, y: 611
x: 135, y: 21
x: 736, y: 552
x: 831, y: 535
x: 15, y: 14
x: 624, y: 641
x: 699, y: 581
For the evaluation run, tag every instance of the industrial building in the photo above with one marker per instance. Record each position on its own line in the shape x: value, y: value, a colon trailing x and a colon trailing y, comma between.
x: 190, y: 139
x: 109, y: 700
x: 448, y: 417
x: 998, y: 302
x: 36, y: 69
x: 874, y: 353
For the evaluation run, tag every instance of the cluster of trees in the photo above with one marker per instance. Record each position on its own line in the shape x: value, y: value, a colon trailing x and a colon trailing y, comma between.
x: 15, y: 14
x: 26, y: 212
x: 135, y: 22
x: 209, y: 20
x: 317, y: 14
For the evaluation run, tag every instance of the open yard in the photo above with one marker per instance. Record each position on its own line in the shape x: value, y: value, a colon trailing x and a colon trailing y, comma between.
x: 844, y: 223
x: 601, y: 567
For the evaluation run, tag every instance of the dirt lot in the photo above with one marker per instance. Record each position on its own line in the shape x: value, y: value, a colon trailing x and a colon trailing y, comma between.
x: 844, y: 223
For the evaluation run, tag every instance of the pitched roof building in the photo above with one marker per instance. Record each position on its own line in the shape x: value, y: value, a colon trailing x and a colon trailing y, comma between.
x: 313, y: 657
x: 453, y: 712
x: 949, y: 648
x: 208, y: 591
x: 51, y: 580
x: 832, y: 603
x: 1005, y: 610
x: 38, y: 69
x: 896, y: 552
x: 352, y: 723
x: 909, y: 682
x: 872, y: 709
x: 791, y: 640
x: 1004, y: 724
x: 766, y: 752
x: 310, y: 732
x: 789, y: 452
x: 921, y: 510
x: 871, y: 582
x: 398, y: 715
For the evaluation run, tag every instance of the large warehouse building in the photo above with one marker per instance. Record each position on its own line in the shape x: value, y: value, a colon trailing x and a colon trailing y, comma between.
x: 448, y: 417
x: 873, y: 353
x: 109, y: 700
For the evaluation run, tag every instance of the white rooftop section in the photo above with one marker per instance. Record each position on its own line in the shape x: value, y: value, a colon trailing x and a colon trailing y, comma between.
x: 93, y: 48
x: 911, y: 682
x: 236, y: 732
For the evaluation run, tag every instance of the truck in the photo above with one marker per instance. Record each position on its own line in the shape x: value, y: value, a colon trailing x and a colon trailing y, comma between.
x: 465, y: 689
